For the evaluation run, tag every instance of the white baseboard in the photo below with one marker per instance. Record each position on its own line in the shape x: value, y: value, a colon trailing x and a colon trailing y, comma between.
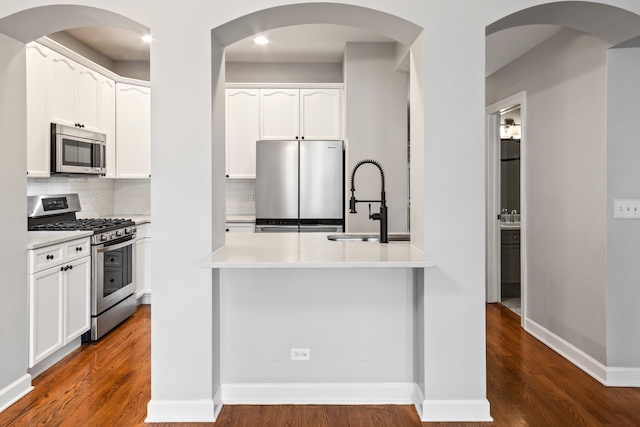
x: 186, y: 411
x: 451, y: 410
x: 567, y: 350
x: 318, y: 394
x: 623, y: 377
x: 15, y: 391
x: 145, y: 298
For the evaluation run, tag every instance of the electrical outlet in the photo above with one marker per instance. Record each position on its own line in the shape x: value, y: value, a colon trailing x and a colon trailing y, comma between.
x: 300, y: 354
x: 626, y: 208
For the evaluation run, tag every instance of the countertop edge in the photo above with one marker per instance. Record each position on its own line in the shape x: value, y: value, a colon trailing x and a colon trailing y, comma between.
x: 49, y: 238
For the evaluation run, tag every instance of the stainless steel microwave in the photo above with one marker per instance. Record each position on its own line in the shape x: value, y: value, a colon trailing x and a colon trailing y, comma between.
x: 77, y: 151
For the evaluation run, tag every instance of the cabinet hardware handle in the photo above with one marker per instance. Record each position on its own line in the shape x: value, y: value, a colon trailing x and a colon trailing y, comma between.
x: 61, y: 268
x: 78, y: 249
x: 70, y: 267
x: 49, y: 256
x: 227, y: 229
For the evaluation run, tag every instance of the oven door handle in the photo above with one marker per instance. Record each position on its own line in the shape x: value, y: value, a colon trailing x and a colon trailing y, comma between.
x: 117, y: 246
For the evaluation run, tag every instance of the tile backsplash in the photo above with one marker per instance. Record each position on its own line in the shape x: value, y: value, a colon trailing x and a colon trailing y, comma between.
x: 241, y: 197
x: 99, y: 197
x: 122, y: 197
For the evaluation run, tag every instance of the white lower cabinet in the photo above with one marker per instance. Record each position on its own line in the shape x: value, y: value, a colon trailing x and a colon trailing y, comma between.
x: 143, y: 263
x: 59, y: 297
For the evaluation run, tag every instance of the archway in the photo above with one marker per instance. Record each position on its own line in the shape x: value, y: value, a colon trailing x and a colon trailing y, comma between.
x: 569, y: 175
x: 15, y: 31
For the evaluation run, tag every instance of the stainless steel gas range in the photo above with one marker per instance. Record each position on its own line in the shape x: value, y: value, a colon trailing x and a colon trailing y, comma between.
x: 113, y: 257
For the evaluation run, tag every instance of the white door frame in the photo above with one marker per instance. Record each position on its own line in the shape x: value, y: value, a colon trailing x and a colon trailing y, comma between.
x: 492, y: 150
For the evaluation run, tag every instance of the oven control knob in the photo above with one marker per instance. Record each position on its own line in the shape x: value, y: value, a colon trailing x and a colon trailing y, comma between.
x: 103, y: 237
x: 127, y: 231
x: 118, y: 233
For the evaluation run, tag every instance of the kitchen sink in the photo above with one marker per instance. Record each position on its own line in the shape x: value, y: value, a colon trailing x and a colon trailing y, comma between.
x: 393, y: 237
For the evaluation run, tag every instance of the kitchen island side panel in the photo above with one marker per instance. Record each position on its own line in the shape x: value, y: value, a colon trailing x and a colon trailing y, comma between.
x: 357, y: 323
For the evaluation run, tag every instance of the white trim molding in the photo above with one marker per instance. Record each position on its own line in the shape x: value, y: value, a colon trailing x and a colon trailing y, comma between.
x: 15, y: 391
x: 567, y: 350
x: 318, y: 393
x: 186, y: 411
x: 623, y: 377
x: 452, y: 410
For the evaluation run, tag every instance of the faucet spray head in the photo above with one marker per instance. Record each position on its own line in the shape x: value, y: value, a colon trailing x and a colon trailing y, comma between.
x: 352, y: 204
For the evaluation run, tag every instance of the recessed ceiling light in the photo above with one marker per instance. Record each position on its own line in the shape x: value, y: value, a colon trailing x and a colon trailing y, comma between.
x: 261, y: 40
x: 147, y: 38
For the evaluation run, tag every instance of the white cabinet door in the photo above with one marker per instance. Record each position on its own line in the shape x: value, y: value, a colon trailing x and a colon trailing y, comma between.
x: 133, y: 136
x: 320, y: 114
x: 141, y: 266
x: 108, y: 121
x: 77, y: 298
x: 279, y: 114
x: 242, y: 132
x: 87, y: 98
x: 61, y: 89
x: 46, y: 328
x: 38, y: 148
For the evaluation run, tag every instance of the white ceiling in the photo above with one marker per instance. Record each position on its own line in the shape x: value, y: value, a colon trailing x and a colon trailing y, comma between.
x: 308, y: 43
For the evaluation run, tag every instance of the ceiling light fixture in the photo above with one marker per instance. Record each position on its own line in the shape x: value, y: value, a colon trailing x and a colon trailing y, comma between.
x: 261, y: 40
x: 147, y: 38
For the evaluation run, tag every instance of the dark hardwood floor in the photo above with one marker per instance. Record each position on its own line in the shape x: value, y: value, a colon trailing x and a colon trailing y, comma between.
x: 107, y: 384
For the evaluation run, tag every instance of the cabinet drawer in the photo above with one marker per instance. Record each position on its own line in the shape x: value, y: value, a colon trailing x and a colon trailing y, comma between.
x: 77, y: 249
x: 43, y: 258
x: 510, y: 237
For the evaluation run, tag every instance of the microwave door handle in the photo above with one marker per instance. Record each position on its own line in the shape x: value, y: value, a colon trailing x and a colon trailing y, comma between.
x: 103, y: 156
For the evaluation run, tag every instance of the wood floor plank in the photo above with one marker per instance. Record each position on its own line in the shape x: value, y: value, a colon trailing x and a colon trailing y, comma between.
x: 108, y: 384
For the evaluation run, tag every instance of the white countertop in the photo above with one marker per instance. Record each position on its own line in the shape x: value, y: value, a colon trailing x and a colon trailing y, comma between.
x: 241, y: 218
x: 311, y: 250
x: 39, y: 239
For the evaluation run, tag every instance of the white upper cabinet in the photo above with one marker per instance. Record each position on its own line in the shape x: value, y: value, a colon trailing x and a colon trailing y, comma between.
x: 87, y: 98
x: 279, y: 114
x: 37, y: 112
x: 133, y: 134
x: 320, y: 114
x: 59, y: 90
x: 108, y: 121
x: 300, y: 114
x: 74, y: 93
x: 242, y: 132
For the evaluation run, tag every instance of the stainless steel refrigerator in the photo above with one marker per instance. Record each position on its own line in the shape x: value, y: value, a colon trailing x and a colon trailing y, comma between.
x: 299, y: 186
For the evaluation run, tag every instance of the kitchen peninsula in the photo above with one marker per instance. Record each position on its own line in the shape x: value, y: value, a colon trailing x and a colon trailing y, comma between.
x: 357, y: 308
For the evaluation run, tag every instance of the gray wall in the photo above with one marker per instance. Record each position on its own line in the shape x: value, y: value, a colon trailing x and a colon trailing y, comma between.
x: 283, y: 72
x: 376, y: 128
x: 566, y: 176
x: 623, y: 182
x: 14, y: 296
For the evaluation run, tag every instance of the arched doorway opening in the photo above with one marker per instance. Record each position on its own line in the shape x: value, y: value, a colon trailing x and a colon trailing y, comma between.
x: 568, y: 188
x: 15, y: 31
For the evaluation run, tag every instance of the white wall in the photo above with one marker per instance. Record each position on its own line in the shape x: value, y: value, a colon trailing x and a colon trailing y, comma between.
x: 14, y: 321
x: 623, y: 236
x: 564, y: 78
x: 376, y: 128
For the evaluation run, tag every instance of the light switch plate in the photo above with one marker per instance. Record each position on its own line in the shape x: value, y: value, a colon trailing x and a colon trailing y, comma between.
x: 626, y: 208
